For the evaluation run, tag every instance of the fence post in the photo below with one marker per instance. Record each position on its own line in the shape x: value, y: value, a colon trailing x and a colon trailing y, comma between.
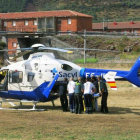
x: 84, y: 45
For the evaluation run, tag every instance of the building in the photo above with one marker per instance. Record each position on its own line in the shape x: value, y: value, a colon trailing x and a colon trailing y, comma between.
x: 64, y: 20
x: 125, y: 28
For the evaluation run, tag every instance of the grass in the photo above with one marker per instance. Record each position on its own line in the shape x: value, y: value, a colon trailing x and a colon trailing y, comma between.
x: 109, y: 42
x: 122, y: 122
x: 133, y: 55
x: 88, y: 60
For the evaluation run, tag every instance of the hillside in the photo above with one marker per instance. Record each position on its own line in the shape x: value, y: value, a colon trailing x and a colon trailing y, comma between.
x: 107, y: 43
x: 119, y: 10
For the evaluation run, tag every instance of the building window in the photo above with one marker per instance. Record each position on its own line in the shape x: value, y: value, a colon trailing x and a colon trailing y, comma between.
x: 125, y: 32
x: 15, y: 77
x: 69, y: 21
x: 59, y: 21
x: 5, y: 23
x: 14, y: 23
x: 119, y: 32
x: 26, y: 22
x: 135, y: 32
x: 14, y: 44
x: 35, y: 22
x: 30, y: 76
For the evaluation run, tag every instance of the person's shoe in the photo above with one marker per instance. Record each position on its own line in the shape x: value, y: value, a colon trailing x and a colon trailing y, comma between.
x: 101, y: 111
x: 86, y: 112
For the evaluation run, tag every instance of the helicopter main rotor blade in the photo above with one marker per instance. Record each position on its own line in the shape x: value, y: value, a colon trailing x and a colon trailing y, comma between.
x: 55, y: 49
x: 91, y: 49
x: 21, y: 49
x: 20, y: 54
x: 38, y: 49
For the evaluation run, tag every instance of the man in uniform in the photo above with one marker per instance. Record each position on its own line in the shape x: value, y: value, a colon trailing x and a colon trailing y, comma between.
x: 63, y: 95
x: 89, y: 88
x: 104, y: 94
x: 70, y: 88
x: 78, y: 96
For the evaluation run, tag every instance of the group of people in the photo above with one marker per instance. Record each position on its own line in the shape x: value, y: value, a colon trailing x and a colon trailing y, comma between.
x: 80, y: 90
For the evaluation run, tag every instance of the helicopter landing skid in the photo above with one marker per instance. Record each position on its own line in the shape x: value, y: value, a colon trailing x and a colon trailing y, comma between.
x: 20, y: 101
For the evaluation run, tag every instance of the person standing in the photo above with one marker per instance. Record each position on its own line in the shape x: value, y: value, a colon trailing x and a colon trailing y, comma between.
x: 71, y: 88
x: 78, y: 96
x: 89, y: 88
x: 95, y: 83
x: 63, y: 95
x: 104, y: 94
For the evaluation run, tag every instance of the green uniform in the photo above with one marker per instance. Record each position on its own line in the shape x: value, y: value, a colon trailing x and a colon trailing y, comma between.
x: 104, y: 107
x: 78, y: 97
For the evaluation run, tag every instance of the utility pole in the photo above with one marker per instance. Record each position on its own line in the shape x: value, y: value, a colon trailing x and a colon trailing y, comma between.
x: 84, y: 45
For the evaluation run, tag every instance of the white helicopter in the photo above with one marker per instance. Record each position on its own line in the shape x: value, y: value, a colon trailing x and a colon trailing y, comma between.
x: 33, y: 80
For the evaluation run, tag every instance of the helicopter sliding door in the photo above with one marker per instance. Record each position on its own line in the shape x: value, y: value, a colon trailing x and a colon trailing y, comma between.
x: 15, y: 82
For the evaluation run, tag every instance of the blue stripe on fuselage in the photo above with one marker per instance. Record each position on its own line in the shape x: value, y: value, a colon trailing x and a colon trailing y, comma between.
x: 35, y: 95
x: 87, y: 72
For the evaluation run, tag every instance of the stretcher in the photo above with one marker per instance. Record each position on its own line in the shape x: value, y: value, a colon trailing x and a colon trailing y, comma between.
x: 94, y: 104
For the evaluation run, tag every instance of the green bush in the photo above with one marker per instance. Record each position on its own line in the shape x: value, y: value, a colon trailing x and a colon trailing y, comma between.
x: 121, y: 46
x: 125, y: 38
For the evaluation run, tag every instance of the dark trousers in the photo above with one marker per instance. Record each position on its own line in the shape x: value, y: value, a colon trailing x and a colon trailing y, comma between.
x: 78, y: 104
x: 71, y: 102
x: 104, y: 107
x: 88, y: 102
x: 64, y: 102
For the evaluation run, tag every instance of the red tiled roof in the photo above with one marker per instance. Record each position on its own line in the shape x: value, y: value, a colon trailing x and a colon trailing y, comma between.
x: 117, y: 25
x: 41, y: 14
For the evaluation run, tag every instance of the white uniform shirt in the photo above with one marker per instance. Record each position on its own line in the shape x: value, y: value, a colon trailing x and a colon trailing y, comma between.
x: 88, y: 88
x: 71, y: 87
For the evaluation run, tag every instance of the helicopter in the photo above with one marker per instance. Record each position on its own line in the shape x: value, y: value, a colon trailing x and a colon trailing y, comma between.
x: 33, y: 80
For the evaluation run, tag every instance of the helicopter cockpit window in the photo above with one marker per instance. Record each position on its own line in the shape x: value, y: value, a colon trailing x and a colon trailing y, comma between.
x: 66, y: 67
x: 15, y: 77
x: 30, y: 76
